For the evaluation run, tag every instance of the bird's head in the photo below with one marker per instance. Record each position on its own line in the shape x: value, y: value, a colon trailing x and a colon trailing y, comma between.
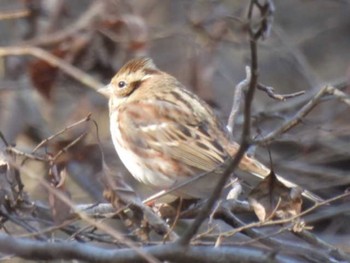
x: 130, y: 78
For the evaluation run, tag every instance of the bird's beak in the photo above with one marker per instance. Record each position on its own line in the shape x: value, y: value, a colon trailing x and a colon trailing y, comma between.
x: 106, y: 90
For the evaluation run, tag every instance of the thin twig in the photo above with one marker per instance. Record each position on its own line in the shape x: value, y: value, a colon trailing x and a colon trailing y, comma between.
x: 20, y: 222
x: 299, y: 102
x: 237, y: 99
x: 331, y: 250
x: 297, y: 118
x: 27, y: 155
x: 203, y: 213
x: 245, y: 140
x: 85, y: 252
x: 43, y: 142
x: 63, y: 150
x: 162, y: 193
x: 2, y: 137
x: 282, y: 97
x: 14, y: 14
x: 278, y: 244
x: 48, y: 229
x: 67, y: 68
x: 286, y: 220
x: 85, y: 20
x: 100, y: 225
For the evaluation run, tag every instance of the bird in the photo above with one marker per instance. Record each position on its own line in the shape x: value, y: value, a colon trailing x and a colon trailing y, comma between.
x: 166, y: 135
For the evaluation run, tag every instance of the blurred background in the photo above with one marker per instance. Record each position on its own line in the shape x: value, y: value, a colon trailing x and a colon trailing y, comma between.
x: 205, y: 45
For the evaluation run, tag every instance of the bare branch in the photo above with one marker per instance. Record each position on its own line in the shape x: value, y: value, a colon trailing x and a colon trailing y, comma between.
x: 86, y: 119
x: 237, y: 99
x: 84, y: 21
x: 282, y: 97
x: 245, y: 140
x: 99, y: 225
x: 331, y: 250
x: 14, y: 14
x: 303, y: 112
x: 286, y: 220
x: 64, y: 149
x: 67, y: 68
x: 36, y: 250
x: 268, y: 239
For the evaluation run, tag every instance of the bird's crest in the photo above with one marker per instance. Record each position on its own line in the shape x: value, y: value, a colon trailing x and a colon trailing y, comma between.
x: 137, y: 64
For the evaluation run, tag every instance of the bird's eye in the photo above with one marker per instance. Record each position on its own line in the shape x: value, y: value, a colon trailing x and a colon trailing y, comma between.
x: 121, y: 84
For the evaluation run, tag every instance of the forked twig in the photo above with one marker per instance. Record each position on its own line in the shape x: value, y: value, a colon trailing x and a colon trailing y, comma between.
x: 46, y: 140
x: 282, y: 97
x: 65, y: 129
x: 64, y: 149
x: 296, y: 119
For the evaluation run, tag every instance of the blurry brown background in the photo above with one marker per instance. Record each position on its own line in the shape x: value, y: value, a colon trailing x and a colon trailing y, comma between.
x: 202, y: 43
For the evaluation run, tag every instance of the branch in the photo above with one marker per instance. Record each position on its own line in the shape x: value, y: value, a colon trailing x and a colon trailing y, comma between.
x: 70, y: 70
x: 279, y: 244
x: 85, y: 20
x: 36, y: 250
x: 286, y: 220
x: 204, y: 212
x: 270, y: 91
x: 99, y: 225
x: 237, y: 98
x: 331, y: 250
x: 14, y: 14
x: 65, y: 129
x: 245, y: 140
x: 303, y: 112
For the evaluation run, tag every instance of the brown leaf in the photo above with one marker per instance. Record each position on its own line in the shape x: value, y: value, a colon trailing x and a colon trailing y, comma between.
x: 83, y: 164
x: 59, y: 209
x: 43, y: 75
x: 271, y: 198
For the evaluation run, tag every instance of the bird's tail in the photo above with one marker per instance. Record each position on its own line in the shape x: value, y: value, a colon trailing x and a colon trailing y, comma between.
x: 253, y: 166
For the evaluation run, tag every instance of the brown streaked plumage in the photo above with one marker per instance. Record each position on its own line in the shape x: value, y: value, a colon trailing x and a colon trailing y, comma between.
x: 164, y: 134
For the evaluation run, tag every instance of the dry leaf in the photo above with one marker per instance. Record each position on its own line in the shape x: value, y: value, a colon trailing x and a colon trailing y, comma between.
x: 43, y: 75
x: 271, y: 198
x: 59, y: 209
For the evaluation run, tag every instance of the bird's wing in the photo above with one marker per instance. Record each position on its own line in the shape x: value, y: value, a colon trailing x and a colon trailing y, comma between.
x: 161, y: 128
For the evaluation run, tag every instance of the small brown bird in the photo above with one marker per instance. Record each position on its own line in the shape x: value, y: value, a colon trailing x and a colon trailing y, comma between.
x: 165, y: 135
